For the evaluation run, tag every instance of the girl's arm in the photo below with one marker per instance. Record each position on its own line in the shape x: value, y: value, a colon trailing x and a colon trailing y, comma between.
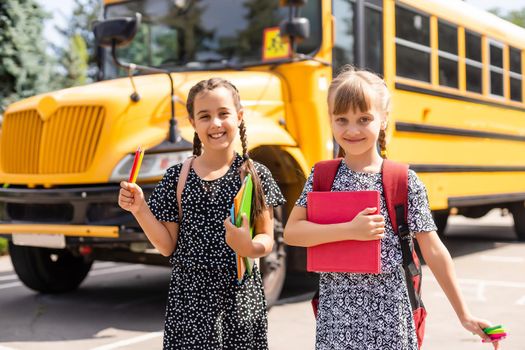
x: 238, y: 238
x: 438, y: 259
x: 303, y: 233
x: 163, y: 235
x: 263, y: 239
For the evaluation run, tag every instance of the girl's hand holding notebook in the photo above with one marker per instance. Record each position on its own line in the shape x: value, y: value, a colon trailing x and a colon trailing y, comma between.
x: 239, y: 238
x: 240, y: 214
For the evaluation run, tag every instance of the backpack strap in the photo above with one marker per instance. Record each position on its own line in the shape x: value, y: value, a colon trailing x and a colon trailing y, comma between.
x: 395, y: 186
x: 324, y: 174
x: 184, y: 171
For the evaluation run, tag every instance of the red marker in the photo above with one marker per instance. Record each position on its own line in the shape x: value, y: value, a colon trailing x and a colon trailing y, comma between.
x: 136, y: 165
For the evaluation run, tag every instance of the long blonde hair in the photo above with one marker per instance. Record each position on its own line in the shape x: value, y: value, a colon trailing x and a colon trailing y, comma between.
x: 359, y: 90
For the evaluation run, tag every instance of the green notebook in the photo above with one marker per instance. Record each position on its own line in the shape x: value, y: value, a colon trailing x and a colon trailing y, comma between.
x: 246, y: 208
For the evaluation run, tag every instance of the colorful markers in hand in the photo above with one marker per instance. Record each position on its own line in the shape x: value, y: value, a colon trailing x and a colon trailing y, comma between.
x: 495, y: 333
x: 139, y: 154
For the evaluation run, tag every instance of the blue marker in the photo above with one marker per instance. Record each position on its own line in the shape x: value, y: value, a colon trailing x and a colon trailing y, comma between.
x: 232, y: 214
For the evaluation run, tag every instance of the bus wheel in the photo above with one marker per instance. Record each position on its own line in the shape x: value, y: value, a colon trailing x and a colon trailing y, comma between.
x: 273, y: 266
x: 441, y: 219
x: 49, y: 270
x: 518, y: 213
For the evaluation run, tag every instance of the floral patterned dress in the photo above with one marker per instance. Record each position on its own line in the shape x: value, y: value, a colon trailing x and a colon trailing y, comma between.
x: 207, y: 308
x: 371, y: 311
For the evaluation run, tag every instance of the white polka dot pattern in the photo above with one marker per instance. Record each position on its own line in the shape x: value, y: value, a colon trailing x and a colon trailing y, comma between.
x: 206, y: 307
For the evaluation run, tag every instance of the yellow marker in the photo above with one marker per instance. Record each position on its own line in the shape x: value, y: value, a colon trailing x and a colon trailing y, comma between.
x: 139, y: 154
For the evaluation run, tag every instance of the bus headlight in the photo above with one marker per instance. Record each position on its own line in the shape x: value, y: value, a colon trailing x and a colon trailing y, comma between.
x: 153, y: 165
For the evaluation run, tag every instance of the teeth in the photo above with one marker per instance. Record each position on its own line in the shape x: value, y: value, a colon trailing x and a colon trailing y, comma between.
x: 216, y: 136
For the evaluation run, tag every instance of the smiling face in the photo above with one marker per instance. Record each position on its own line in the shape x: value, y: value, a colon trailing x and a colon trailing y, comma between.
x: 216, y: 119
x: 357, y: 132
x: 359, y: 103
x: 356, y: 124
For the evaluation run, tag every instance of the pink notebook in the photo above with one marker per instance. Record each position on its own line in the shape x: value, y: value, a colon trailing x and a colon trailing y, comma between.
x: 342, y: 256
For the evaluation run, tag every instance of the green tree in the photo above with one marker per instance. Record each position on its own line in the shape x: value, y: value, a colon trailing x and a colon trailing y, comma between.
x: 3, y: 246
x: 77, y: 59
x: 24, y: 64
x: 259, y: 15
x: 515, y: 16
x: 74, y: 61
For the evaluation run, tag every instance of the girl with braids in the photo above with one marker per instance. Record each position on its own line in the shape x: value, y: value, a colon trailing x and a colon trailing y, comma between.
x: 207, y: 308
x: 371, y: 311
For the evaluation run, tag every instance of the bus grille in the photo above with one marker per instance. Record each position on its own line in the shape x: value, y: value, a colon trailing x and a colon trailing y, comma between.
x: 64, y: 143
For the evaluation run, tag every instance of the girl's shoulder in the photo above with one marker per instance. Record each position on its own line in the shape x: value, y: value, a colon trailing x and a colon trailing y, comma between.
x: 175, y: 169
x: 414, y: 182
x: 173, y: 172
x: 412, y: 176
x: 263, y: 172
x: 261, y: 169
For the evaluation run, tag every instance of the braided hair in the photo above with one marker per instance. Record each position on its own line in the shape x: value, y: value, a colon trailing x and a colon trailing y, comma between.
x: 259, y: 202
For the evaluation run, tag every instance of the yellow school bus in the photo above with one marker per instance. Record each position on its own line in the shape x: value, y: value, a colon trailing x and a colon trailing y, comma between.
x: 458, y: 119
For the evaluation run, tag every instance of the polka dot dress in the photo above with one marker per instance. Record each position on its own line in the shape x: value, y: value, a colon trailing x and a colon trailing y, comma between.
x: 207, y: 308
x: 371, y: 311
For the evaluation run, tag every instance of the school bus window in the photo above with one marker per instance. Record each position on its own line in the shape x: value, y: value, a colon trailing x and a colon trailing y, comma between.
x: 473, y: 46
x: 412, y: 26
x: 515, y: 60
x: 412, y: 44
x: 473, y: 62
x: 448, y: 54
x: 344, y: 47
x: 203, y: 37
x: 515, y: 74
x: 496, y: 68
x: 374, y: 39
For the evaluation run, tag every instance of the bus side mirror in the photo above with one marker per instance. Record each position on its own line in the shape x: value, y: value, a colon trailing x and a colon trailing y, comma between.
x: 116, y: 32
x: 295, y: 28
x: 298, y: 27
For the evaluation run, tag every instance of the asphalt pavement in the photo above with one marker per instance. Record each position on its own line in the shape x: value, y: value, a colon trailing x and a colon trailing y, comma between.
x: 121, y: 306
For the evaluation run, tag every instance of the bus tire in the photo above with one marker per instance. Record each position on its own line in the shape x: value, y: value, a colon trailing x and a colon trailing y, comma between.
x: 518, y: 214
x: 49, y: 270
x: 441, y: 219
x: 273, y: 266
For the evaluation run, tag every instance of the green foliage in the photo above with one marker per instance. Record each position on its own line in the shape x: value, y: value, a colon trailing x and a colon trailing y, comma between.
x: 24, y: 64
x: 3, y: 246
x: 77, y: 59
x: 260, y: 15
x: 515, y: 16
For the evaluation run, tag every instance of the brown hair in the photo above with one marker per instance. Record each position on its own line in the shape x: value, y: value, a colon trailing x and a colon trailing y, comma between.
x: 355, y: 89
x: 259, y: 202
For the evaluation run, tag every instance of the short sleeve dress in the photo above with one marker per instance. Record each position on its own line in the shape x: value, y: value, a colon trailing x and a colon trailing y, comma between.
x: 206, y: 307
x: 370, y: 311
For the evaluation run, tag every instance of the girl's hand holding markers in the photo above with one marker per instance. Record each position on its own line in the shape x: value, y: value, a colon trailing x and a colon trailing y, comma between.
x: 367, y: 226
x: 476, y: 326
x: 239, y: 238
x: 131, y: 197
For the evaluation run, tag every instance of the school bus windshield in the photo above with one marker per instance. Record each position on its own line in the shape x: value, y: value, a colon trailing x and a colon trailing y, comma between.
x: 205, y: 34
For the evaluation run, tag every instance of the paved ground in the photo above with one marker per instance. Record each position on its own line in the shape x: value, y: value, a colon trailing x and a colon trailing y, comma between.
x: 121, y: 306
